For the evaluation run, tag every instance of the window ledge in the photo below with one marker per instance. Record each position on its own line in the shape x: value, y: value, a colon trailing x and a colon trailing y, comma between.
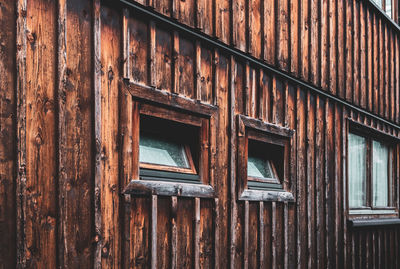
x: 267, y: 195
x: 148, y: 187
x: 373, y: 222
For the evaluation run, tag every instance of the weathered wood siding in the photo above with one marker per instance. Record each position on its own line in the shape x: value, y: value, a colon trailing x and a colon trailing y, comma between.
x: 67, y: 148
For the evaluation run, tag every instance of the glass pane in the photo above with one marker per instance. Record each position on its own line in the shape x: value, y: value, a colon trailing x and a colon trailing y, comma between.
x: 388, y: 7
x: 380, y: 174
x: 378, y: 3
x: 357, y: 170
x: 161, y: 151
x: 258, y: 167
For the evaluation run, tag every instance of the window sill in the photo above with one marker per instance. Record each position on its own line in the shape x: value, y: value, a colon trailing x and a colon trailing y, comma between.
x: 373, y: 222
x: 267, y: 196
x: 149, y: 187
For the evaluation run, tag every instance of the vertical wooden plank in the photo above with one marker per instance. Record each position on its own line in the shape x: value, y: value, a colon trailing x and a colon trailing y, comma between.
x: 246, y: 235
x: 376, y: 63
x: 386, y: 104
x: 140, y: 232
x: 392, y: 86
x: 205, y: 76
x: 338, y: 186
x: 324, y: 43
x: 397, y: 76
x: 279, y: 236
x: 382, y: 67
x: 319, y: 181
x: 333, y: 46
x: 196, y: 221
x: 205, y: 16
x: 370, y: 57
x: 152, y: 54
x: 304, y: 39
x: 75, y: 136
x: 174, y: 233
x: 311, y: 206
x: 268, y: 235
x: 301, y: 176
x: 206, y: 236
x: 138, y: 49
x: 294, y: 6
x: 269, y: 31
x: 153, y: 242
x: 239, y: 24
x: 166, y: 226
x: 184, y: 65
x: 126, y: 43
x: 21, y: 88
x: 329, y: 184
x: 7, y: 131
x: 186, y: 12
x: 274, y: 235
x: 163, y: 58
x: 222, y: 175
x: 41, y: 180
x: 185, y: 216
x: 265, y: 99
x: 253, y: 93
x: 341, y: 40
x: 349, y: 49
x: 278, y: 100
x: 255, y: 27
x: 283, y: 34
x: 356, y: 53
x: 261, y: 227
x: 97, y: 130
x: 110, y: 197
x: 162, y: 6
x: 314, y: 43
x: 363, y: 57
x: 222, y: 20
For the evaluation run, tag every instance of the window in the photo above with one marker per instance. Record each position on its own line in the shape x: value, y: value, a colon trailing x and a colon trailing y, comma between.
x: 172, y: 145
x: 263, y: 159
x: 166, y: 145
x: 388, y: 6
x: 370, y: 172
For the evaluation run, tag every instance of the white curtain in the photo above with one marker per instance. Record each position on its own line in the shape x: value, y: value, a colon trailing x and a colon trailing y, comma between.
x: 380, y: 174
x: 357, y: 174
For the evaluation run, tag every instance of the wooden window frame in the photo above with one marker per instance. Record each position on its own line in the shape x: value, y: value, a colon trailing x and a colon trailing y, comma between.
x: 168, y: 173
x: 270, y: 134
x: 149, y: 101
x: 369, y: 211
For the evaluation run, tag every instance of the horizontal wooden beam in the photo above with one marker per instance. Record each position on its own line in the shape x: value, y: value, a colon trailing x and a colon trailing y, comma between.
x: 148, y: 187
x: 224, y: 48
x: 153, y: 95
x: 373, y: 222
x: 266, y: 195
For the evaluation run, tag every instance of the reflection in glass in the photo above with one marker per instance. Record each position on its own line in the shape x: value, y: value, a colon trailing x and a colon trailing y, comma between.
x: 260, y: 168
x: 357, y: 170
x: 156, y: 150
x: 380, y: 174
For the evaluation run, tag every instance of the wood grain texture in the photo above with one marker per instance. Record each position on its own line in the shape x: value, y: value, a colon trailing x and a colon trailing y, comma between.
x: 109, y: 196
x: 75, y: 133
x: 41, y: 155
x: 8, y: 125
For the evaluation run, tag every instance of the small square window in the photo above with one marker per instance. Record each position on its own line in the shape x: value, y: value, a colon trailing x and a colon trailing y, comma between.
x: 166, y: 145
x: 172, y: 145
x: 263, y: 159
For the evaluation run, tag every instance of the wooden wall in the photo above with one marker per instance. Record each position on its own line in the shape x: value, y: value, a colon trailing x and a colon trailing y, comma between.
x: 66, y: 119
